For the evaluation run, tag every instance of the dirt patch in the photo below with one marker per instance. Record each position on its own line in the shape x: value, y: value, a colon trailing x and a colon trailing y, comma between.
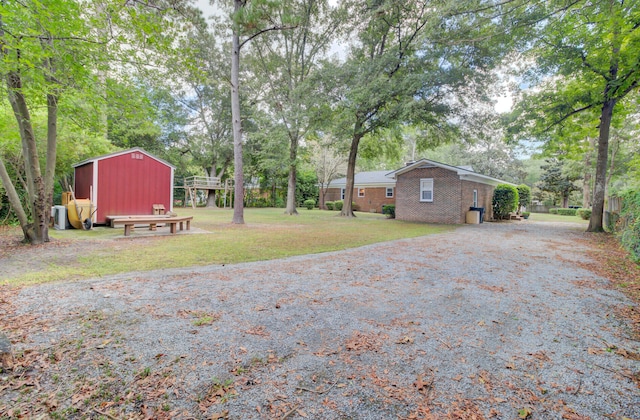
x: 487, y: 321
x: 17, y: 258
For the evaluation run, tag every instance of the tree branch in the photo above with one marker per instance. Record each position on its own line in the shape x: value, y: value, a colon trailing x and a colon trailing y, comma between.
x: 273, y: 28
x: 588, y: 65
x: 624, y: 93
x: 53, y: 38
x: 574, y: 112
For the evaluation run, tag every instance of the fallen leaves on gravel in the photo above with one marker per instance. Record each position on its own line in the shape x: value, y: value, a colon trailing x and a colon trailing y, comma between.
x: 609, y: 260
x: 361, y: 342
x: 258, y: 330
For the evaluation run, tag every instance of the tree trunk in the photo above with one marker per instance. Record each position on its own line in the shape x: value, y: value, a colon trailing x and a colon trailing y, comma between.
x: 211, y: 199
x: 291, y: 185
x: 50, y: 168
x: 595, y: 223
x: 238, y: 176
x: 14, y: 200
x: 323, y: 192
x: 211, y: 194
x: 35, y: 181
x: 347, y: 209
x: 274, y: 193
x: 586, y: 183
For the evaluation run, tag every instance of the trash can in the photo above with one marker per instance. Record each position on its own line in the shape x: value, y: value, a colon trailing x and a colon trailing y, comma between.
x: 481, y: 210
x: 473, y: 217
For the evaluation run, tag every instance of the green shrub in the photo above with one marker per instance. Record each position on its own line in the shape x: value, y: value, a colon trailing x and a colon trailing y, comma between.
x: 505, y: 201
x: 309, y: 204
x: 553, y: 211
x: 524, y: 196
x: 389, y: 210
x: 338, y: 205
x: 329, y: 205
x: 585, y: 214
x: 628, y: 226
x: 566, y: 212
x: 259, y: 202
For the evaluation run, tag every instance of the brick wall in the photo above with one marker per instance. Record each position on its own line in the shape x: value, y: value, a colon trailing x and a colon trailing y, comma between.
x: 485, y: 196
x: 452, y: 197
x: 445, y: 207
x: 332, y: 194
x: 373, y: 200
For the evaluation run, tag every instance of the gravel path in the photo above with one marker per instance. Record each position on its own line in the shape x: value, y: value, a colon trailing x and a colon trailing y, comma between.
x: 490, y: 320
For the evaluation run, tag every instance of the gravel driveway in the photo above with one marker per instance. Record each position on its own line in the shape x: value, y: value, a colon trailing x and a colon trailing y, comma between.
x: 493, y: 320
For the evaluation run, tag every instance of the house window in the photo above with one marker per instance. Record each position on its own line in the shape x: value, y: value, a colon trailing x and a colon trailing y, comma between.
x: 426, y: 189
x: 342, y: 194
x: 475, y: 198
x: 360, y: 192
x: 389, y: 192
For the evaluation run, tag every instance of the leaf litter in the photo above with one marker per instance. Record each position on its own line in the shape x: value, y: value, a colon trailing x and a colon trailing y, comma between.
x: 463, y: 325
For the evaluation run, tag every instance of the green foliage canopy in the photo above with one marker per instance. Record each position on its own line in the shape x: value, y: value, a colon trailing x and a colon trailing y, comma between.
x: 587, y: 59
x: 505, y: 201
x: 556, y: 181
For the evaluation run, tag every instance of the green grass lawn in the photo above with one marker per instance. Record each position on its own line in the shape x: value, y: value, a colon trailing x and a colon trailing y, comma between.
x: 547, y: 217
x: 267, y: 234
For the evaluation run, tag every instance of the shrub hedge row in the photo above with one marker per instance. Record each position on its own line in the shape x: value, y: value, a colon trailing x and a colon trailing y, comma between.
x: 628, y: 226
x: 337, y: 205
x: 585, y: 214
x: 566, y: 212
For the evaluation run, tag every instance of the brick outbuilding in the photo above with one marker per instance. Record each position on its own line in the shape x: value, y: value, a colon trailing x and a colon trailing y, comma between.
x: 433, y: 192
x: 371, y: 190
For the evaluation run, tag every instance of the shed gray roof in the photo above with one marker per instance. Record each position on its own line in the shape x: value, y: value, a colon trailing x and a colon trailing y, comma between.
x: 461, y: 171
x: 366, y: 179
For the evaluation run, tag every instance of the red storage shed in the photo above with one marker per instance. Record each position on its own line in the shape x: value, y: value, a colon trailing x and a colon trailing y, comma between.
x: 123, y: 183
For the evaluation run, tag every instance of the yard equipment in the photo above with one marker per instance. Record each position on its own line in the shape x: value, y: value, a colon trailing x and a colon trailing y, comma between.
x: 80, y: 212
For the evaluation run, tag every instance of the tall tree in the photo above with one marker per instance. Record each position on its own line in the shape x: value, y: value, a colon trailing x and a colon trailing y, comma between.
x: 328, y: 162
x: 592, y: 50
x: 286, y: 59
x: 557, y: 181
x: 205, y: 69
x: 250, y: 18
x: 410, y: 59
x: 41, y: 57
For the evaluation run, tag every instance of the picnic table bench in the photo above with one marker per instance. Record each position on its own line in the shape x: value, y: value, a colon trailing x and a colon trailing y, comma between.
x: 130, y: 221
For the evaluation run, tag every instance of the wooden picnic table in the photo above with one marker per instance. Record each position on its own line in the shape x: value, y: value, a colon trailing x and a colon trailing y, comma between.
x: 152, y: 221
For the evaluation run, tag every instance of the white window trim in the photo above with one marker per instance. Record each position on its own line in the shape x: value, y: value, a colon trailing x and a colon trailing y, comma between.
x: 427, y: 181
x: 475, y: 198
x: 387, y: 195
x: 360, y: 189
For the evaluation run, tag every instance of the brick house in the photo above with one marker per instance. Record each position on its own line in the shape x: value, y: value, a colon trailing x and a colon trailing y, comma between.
x: 432, y: 192
x: 371, y: 190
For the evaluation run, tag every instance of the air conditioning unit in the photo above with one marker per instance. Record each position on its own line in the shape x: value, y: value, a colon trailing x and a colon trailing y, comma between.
x: 59, y: 217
